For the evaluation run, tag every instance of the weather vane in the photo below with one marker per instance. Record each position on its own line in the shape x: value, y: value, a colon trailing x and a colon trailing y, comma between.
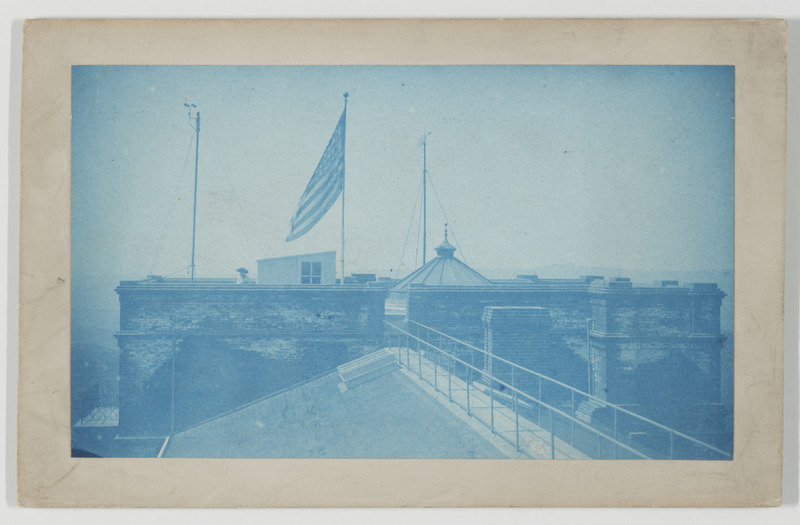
x: 424, y: 140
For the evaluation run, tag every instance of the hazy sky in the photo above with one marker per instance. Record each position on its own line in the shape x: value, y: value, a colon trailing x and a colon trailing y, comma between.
x: 628, y: 167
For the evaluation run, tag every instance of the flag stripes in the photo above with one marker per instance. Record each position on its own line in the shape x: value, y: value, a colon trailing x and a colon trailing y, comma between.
x: 324, y: 187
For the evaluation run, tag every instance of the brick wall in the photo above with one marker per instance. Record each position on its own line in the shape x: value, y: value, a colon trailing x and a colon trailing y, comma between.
x: 288, y: 310
x: 521, y: 335
x: 459, y: 312
x: 656, y: 345
x: 231, y: 344
x: 650, y: 346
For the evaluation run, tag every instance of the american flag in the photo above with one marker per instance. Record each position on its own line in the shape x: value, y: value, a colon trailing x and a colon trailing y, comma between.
x: 324, y: 187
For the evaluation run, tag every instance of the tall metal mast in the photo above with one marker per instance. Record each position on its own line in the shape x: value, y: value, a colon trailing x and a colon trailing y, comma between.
x: 196, y: 157
x: 344, y: 136
x: 424, y: 196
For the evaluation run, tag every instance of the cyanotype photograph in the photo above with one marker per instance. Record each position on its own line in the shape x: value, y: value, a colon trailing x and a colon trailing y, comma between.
x: 402, y: 262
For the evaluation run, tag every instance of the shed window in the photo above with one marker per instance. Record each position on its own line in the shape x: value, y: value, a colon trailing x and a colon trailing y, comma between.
x: 311, y: 273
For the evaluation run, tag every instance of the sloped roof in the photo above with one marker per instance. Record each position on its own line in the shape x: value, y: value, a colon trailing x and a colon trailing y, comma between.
x: 444, y: 270
x: 386, y: 417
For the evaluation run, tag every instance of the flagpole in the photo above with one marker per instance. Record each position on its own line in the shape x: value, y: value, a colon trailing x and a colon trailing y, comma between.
x: 196, y: 158
x: 344, y: 173
x: 424, y: 196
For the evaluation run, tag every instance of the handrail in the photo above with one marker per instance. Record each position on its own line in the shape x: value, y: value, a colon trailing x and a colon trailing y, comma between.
x: 520, y: 367
x: 102, y: 394
x: 601, y: 401
x: 525, y: 394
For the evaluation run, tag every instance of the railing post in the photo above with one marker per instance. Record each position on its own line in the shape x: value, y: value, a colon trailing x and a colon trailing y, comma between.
x: 469, y: 380
x: 516, y: 417
x: 450, y: 364
x: 471, y: 358
x: 589, y: 356
x: 491, y: 402
x: 435, y: 365
x: 598, y: 446
x: 539, y: 400
x: 172, y: 379
x: 572, y: 421
x: 615, y: 433
x: 552, y: 437
x: 671, y: 439
x: 419, y: 359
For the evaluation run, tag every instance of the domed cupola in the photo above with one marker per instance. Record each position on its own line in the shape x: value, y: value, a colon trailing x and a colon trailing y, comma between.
x: 445, y: 249
x: 444, y: 270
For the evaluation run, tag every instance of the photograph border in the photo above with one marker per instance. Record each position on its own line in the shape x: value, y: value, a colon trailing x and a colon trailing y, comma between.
x: 49, y: 477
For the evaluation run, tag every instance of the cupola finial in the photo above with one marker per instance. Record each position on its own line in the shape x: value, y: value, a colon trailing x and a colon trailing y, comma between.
x: 445, y: 249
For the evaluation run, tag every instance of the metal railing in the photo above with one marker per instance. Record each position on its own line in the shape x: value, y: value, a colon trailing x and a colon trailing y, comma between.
x: 538, y: 415
x: 98, y: 406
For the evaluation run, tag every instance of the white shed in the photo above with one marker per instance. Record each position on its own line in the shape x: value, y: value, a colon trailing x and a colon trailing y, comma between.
x: 310, y: 268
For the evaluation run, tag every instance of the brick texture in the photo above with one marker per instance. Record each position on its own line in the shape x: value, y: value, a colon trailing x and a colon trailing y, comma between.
x: 189, y: 351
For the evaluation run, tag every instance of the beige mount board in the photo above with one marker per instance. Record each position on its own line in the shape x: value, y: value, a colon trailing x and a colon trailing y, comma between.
x: 49, y: 477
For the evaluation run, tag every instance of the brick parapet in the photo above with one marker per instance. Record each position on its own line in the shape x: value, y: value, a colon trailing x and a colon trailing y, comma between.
x: 231, y: 343
x: 168, y: 307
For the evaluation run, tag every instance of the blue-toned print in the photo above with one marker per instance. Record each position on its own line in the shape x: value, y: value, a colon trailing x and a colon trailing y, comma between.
x: 578, y: 305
